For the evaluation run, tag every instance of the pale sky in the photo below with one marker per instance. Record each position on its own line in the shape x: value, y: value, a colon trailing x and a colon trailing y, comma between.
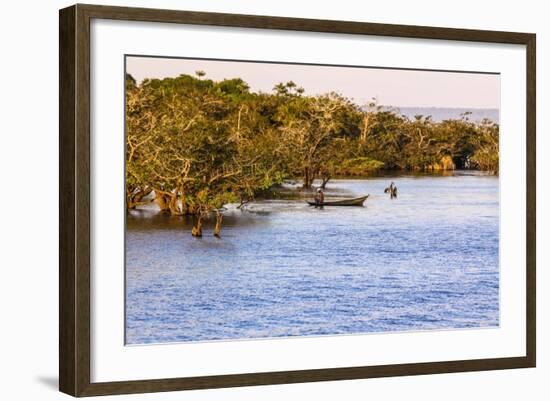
x: 398, y: 88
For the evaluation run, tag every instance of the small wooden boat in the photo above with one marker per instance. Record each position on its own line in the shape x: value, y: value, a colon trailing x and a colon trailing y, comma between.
x: 343, y: 202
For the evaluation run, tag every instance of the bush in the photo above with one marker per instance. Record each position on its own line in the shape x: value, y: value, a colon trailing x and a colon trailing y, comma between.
x: 359, y: 166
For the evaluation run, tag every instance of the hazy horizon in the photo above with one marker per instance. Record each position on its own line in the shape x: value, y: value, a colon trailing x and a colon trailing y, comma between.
x: 391, y: 87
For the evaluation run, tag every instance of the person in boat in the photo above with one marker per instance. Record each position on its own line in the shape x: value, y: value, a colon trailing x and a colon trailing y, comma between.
x: 392, y: 190
x: 319, y: 197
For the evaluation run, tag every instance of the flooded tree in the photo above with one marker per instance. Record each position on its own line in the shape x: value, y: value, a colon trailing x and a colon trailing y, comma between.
x: 310, y: 127
x: 194, y: 145
x: 188, y: 141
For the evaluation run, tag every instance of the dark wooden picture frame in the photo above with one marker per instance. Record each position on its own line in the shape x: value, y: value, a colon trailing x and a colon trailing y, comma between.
x: 74, y: 203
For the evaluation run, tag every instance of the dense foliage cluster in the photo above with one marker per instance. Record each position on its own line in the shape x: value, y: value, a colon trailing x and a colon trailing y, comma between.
x: 198, y: 144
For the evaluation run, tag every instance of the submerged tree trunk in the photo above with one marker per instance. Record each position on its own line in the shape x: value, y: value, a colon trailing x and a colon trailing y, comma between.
x: 187, y: 209
x: 306, y: 183
x: 163, y: 201
x: 325, y: 178
x: 134, y: 198
x: 197, y: 225
x: 309, y: 177
x: 169, y: 202
x: 174, y: 205
x: 218, y: 227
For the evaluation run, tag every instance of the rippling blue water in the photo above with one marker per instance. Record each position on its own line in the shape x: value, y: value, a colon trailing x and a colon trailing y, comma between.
x: 427, y: 260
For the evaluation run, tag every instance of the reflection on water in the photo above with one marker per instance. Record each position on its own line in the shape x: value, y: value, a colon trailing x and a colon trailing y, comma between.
x: 427, y: 260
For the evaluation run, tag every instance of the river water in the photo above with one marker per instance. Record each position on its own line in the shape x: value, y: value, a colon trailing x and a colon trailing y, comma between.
x: 426, y: 260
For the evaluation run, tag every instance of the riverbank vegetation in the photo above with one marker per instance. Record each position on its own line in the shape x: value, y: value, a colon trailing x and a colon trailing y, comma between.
x: 197, y: 144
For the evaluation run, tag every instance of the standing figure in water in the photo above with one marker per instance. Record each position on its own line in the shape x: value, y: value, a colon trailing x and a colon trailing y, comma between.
x: 392, y: 190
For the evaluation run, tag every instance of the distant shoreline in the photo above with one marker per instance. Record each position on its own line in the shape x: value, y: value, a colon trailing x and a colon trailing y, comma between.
x: 447, y: 113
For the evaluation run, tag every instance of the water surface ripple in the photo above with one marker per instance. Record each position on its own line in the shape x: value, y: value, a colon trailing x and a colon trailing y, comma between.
x: 427, y: 260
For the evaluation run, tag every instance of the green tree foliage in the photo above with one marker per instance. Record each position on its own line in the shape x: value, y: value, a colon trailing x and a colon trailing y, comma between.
x: 485, y: 147
x: 198, y: 144
x: 192, y: 142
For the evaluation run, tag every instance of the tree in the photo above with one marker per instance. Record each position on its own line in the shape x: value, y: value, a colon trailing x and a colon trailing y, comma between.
x: 198, y: 144
x: 486, y: 154
x: 191, y: 142
x: 289, y: 89
x: 383, y: 137
x: 308, y: 127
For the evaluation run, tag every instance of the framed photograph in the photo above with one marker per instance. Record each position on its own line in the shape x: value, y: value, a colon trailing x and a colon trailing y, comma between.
x: 250, y: 200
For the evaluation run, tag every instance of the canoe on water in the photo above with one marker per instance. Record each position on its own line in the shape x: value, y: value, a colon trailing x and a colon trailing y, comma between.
x: 343, y: 202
